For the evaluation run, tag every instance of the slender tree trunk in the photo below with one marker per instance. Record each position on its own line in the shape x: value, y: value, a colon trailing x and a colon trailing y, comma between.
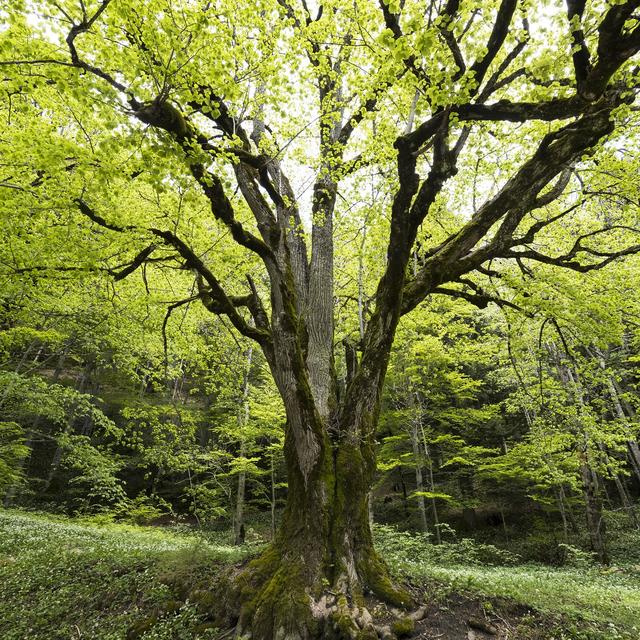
x: 593, y: 509
x: 563, y: 515
x: 634, y: 456
x: 238, y: 521
x: 619, y: 412
x: 432, y: 486
x: 504, y: 524
x: 405, y: 494
x: 622, y: 491
x: 568, y: 510
x: 590, y: 490
x: 243, y: 420
x: 273, y: 496
x: 633, y: 449
x: 465, y: 482
x: 417, y: 457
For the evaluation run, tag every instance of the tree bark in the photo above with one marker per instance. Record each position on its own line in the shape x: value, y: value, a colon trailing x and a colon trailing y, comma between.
x: 311, y: 581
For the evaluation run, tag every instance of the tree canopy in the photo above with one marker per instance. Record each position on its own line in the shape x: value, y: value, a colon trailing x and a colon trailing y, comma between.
x: 311, y: 174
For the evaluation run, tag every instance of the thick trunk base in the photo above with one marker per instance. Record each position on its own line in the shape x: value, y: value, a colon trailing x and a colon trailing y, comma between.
x: 282, y: 596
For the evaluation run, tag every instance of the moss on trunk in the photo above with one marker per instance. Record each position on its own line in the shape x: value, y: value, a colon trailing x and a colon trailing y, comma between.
x: 312, y: 582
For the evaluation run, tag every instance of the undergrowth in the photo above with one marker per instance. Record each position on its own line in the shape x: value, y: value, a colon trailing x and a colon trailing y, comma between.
x: 581, y: 591
x: 62, y: 579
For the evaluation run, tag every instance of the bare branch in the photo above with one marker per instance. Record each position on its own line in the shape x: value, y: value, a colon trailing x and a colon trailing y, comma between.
x: 448, y: 15
x: 83, y: 27
x: 480, y: 300
x: 567, y: 262
x: 140, y: 259
x: 496, y: 39
x: 614, y: 47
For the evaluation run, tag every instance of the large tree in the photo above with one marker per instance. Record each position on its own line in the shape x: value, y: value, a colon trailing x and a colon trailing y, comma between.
x: 479, y: 125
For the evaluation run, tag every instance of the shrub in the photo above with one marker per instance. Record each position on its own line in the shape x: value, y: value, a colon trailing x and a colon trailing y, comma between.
x: 401, y: 547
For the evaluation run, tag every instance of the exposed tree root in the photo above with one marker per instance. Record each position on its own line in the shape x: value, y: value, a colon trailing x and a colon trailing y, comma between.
x: 279, y: 597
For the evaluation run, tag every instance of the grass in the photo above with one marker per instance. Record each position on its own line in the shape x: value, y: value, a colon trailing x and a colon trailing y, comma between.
x: 65, y: 579
x: 61, y: 578
x: 606, y: 599
x: 611, y: 601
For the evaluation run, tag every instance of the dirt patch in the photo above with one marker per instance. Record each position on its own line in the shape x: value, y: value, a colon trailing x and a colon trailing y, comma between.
x: 468, y: 617
x: 463, y: 618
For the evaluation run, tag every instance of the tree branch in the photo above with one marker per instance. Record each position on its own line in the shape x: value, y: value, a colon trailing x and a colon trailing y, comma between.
x: 581, y: 56
x: 517, y: 197
x: 614, y: 48
x: 227, y: 304
x: 480, y: 300
x: 496, y: 39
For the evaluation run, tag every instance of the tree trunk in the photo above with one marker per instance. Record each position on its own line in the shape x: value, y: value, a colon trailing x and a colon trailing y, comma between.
x: 622, y: 491
x: 465, y: 482
x: 563, y: 514
x: 634, y: 456
x: 419, y: 481
x: 568, y: 510
x: 432, y: 487
x: 273, y: 497
x: 243, y: 419
x: 238, y: 522
x: 593, y: 510
x: 592, y: 501
x: 619, y: 412
x: 311, y: 581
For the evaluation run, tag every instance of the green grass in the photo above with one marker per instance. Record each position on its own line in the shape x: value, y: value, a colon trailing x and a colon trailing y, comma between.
x: 605, y: 598
x: 612, y: 600
x: 62, y: 578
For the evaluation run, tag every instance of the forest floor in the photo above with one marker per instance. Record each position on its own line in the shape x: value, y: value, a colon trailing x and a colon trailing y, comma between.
x: 71, y: 579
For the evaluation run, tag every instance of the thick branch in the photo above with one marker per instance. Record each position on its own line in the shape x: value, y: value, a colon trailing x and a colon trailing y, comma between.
x: 517, y: 197
x: 224, y: 303
x: 581, y: 56
x: 138, y: 261
x: 496, y: 39
x: 614, y: 48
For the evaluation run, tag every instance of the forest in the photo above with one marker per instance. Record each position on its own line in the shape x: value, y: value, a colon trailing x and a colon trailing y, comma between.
x: 320, y: 319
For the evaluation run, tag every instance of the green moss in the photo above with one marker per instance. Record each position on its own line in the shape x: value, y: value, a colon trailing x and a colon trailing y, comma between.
x: 140, y: 627
x: 205, y: 601
x: 403, y: 627
x: 379, y: 581
x: 171, y: 606
x: 344, y: 627
x: 368, y: 634
x: 274, y: 595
